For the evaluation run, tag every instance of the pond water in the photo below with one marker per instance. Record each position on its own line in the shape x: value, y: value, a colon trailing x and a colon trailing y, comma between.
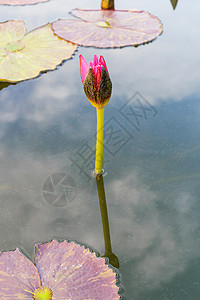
x: 152, y: 160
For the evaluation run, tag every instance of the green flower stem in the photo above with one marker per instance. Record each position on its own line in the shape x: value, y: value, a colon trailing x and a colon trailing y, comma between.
x: 113, y: 260
x: 99, y: 141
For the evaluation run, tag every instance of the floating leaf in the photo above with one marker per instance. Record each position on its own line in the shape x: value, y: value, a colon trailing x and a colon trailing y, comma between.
x: 174, y: 3
x: 18, y: 276
x: 62, y: 271
x: 20, y: 2
x: 109, y: 28
x: 24, y: 56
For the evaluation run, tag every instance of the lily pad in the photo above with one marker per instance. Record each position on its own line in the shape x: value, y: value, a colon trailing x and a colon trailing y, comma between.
x: 24, y: 56
x: 109, y: 28
x: 20, y: 2
x: 60, y: 271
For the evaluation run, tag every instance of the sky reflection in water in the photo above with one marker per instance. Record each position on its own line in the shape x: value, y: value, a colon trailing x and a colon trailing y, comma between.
x: 152, y: 185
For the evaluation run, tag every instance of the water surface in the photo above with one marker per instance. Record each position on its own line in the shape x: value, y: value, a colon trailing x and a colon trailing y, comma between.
x: 152, y: 159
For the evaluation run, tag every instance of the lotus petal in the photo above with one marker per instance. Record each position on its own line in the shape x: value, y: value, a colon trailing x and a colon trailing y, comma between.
x: 73, y: 272
x: 109, y: 28
x: 24, y: 56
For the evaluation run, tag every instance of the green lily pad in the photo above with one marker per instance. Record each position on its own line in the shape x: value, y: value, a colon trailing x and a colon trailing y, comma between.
x: 24, y: 56
x: 20, y: 2
x: 109, y: 28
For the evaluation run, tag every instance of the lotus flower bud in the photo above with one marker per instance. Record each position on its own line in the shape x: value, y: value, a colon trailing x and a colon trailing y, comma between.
x: 96, y: 81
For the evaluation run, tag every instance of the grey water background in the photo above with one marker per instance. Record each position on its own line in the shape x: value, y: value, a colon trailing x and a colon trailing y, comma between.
x: 152, y: 161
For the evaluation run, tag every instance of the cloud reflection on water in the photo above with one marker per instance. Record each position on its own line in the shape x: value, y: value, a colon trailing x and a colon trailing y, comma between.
x: 157, y: 237
x: 153, y: 199
x: 153, y: 214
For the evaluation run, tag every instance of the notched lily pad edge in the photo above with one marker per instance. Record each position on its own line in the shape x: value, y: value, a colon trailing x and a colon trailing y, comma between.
x: 92, y: 250
x: 5, y: 83
x: 19, y: 250
x: 85, y: 246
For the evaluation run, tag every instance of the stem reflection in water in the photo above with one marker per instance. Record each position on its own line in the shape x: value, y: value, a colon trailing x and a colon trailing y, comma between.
x: 113, y: 260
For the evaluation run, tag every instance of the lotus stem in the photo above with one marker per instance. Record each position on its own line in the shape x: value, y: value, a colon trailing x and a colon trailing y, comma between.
x: 99, y: 141
x: 113, y: 259
x: 107, y: 4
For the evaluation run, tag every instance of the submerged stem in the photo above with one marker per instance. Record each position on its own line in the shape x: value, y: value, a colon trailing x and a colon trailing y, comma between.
x: 104, y: 212
x: 113, y: 259
x: 99, y: 141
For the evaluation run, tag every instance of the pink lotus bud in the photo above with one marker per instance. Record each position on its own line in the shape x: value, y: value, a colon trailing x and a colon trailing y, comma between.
x: 96, y: 81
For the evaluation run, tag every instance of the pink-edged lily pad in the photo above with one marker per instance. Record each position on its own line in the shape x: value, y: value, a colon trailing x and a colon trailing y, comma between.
x: 24, y: 56
x: 109, y: 28
x: 60, y: 271
x: 20, y: 2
